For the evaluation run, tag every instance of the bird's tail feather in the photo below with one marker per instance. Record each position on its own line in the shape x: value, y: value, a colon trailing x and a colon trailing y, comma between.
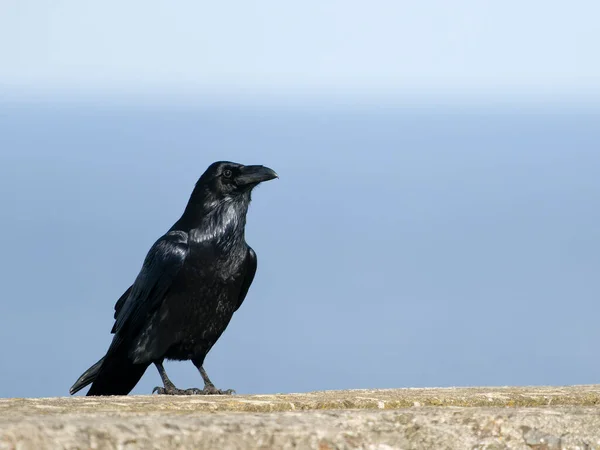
x: 115, y: 374
x: 118, y: 375
x: 86, y: 378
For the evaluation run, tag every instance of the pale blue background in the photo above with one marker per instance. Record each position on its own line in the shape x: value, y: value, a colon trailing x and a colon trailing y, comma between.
x: 436, y: 218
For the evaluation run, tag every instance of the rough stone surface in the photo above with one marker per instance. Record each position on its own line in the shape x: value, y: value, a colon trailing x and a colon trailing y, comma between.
x: 538, y: 418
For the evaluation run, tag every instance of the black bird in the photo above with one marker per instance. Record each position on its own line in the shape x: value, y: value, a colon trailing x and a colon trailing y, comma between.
x: 192, y: 281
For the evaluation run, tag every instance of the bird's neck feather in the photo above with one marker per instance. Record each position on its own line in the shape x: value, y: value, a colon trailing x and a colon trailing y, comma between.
x: 221, y: 221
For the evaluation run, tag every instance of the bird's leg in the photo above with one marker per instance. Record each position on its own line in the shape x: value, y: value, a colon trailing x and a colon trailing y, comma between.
x: 209, y: 387
x: 169, y: 388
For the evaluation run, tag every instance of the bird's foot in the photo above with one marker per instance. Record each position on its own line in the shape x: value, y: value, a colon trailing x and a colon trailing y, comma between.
x: 210, y: 389
x: 172, y: 390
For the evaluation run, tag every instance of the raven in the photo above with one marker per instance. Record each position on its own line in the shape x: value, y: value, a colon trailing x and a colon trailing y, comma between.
x: 192, y: 281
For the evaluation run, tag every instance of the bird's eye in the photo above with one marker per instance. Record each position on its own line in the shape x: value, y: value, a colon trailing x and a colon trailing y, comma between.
x: 227, y: 173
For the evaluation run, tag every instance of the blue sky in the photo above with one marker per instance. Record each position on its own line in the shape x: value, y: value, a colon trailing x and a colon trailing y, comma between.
x: 382, y: 48
x: 397, y: 249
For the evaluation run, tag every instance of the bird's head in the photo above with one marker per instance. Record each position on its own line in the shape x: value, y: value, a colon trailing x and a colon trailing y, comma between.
x: 222, y: 196
x: 225, y: 180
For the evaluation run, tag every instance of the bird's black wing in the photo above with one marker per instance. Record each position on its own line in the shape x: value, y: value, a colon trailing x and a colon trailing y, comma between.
x: 163, y: 262
x: 120, y: 303
x: 249, y: 275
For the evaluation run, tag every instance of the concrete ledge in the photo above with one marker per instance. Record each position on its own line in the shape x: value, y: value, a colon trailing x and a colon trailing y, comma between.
x: 540, y: 418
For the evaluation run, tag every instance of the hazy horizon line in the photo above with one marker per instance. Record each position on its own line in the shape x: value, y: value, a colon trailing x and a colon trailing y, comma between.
x: 297, y: 100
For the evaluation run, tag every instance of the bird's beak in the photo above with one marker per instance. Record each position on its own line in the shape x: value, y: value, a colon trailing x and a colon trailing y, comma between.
x: 252, y: 175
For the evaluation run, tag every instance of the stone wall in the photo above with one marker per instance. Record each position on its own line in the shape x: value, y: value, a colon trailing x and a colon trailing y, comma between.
x: 539, y: 418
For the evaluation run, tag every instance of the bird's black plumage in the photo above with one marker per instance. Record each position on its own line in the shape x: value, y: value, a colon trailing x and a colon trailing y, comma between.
x: 192, y: 281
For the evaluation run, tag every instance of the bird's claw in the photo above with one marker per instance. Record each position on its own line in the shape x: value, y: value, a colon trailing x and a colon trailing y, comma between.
x: 174, y: 391
x: 212, y: 390
x: 208, y: 390
x: 193, y: 391
x: 165, y: 391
